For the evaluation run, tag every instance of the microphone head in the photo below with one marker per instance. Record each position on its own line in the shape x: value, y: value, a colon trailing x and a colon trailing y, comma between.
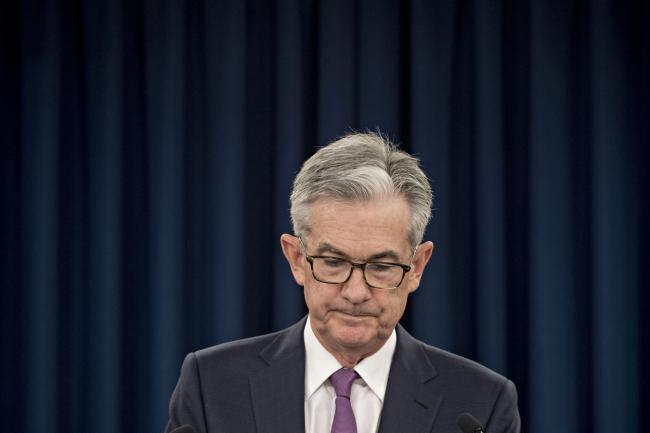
x: 469, y: 424
x: 183, y: 429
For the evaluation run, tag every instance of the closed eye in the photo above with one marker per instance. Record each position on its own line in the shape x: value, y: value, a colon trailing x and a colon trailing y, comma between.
x: 333, y: 262
x: 380, y: 267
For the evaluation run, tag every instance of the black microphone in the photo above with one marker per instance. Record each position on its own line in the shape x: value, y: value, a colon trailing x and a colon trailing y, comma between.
x: 183, y: 429
x: 469, y: 424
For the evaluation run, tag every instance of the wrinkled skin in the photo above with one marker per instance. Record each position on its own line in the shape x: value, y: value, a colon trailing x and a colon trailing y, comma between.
x: 352, y: 320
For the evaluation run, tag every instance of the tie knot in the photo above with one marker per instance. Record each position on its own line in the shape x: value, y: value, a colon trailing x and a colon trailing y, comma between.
x: 342, y: 381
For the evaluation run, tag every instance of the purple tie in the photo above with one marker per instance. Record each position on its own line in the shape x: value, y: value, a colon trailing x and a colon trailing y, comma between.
x: 344, y: 421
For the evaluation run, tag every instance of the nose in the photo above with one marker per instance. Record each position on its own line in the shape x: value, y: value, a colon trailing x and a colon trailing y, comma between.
x: 355, y: 290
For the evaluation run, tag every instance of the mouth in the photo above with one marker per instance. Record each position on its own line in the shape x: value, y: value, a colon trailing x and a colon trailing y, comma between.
x: 355, y: 314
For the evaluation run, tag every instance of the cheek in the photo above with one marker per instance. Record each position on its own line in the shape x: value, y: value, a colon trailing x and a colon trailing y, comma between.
x: 317, y: 298
x: 393, y: 308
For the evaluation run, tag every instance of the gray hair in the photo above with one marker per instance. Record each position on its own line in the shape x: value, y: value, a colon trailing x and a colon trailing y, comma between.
x: 361, y: 167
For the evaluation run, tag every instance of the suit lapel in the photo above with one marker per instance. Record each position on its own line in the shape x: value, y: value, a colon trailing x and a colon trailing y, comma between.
x: 409, y: 406
x: 278, y: 391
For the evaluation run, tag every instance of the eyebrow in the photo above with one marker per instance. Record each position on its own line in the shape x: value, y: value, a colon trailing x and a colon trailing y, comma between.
x: 331, y: 249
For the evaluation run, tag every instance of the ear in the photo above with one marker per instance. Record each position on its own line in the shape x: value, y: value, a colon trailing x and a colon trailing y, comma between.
x: 422, y: 256
x: 291, y: 249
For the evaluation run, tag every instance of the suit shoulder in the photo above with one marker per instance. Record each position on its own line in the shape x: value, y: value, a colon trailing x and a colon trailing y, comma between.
x: 236, y: 351
x: 466, y: 385
x: 450, y: 364
x: 250, y: 354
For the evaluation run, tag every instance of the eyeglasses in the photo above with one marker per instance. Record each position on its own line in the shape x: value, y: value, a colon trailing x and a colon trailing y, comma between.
x: 336, y: 270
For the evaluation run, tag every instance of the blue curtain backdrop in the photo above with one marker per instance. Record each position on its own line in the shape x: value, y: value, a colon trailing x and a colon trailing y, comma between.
x: 148, y: 149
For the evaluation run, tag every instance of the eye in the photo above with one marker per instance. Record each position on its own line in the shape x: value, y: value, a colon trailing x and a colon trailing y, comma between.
x: 333, y: 262
x: 379, y: 267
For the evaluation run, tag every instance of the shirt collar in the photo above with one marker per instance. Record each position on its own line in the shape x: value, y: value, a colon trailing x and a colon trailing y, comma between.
x: 320, y: 364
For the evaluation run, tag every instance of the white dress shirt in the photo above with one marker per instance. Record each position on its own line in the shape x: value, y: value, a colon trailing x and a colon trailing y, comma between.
x: 366, y: 396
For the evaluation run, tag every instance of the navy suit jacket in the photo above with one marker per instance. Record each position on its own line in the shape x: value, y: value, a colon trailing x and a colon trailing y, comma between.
x: 256, y: 385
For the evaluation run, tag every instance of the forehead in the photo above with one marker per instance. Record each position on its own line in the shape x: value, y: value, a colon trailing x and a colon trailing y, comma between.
x: 361, y: 229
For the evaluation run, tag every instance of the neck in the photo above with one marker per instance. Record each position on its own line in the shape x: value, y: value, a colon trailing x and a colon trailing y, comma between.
x: 347, y: 357
x: 347, y: 360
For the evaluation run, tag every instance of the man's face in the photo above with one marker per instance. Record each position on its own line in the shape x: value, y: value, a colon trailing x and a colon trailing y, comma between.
x: 352, y: 319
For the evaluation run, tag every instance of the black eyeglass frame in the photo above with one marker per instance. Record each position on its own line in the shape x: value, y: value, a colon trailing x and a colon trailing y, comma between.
x: 362, y: 266
x: 353, y: 265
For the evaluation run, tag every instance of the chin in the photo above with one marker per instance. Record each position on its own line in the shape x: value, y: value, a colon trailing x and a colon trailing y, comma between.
x: 353, y: 336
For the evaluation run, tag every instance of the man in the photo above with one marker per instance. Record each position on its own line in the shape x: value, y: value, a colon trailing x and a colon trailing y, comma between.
x: 359, y: 209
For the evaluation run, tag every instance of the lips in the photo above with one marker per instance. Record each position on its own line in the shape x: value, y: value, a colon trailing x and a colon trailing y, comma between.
x: 356, y: 313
